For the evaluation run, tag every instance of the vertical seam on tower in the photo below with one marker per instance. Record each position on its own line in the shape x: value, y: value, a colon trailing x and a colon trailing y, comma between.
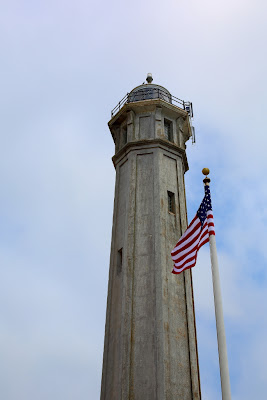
x: 131, y: 397
x: 168, y: 334
x: 184, y: 272
x: 193, y: 303
x: 154, y: 154
x: 181, y: 232
x: 189, y: 353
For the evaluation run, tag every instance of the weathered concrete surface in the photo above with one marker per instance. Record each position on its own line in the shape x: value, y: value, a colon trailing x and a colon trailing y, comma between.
x: 150, y: 348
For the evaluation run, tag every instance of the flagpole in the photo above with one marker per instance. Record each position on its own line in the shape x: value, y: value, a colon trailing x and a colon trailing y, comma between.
x: 221, y: 339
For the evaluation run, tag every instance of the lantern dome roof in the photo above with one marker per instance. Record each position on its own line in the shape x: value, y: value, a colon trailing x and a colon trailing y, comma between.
x: 148, y: 91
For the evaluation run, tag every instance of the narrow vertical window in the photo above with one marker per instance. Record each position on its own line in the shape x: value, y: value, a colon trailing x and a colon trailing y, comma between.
x: 171, y: 202
x: 168, y: 130
x: 124, y: 135
x: 119, y: 261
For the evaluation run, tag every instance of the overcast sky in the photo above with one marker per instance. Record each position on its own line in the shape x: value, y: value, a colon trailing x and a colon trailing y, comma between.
x: 64, y: 66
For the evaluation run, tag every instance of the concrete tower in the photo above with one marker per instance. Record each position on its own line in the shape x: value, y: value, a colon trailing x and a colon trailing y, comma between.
x: 150, y: 350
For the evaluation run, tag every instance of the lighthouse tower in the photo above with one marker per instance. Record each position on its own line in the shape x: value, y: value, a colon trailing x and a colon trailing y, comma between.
x: 150, y: 350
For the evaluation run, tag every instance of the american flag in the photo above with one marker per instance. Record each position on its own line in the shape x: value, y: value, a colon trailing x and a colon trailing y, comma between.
x: 197, y: 234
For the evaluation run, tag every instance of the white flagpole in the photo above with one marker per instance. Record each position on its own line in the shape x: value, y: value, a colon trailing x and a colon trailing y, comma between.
x: 221, y: 339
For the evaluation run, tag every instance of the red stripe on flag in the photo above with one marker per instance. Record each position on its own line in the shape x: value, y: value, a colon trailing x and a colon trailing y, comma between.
x: 185, y: 252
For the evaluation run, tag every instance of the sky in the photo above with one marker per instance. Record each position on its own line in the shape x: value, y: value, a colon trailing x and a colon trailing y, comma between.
x: 64, y: 66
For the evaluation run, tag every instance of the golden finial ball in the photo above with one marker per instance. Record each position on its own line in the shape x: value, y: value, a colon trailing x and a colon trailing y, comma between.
x: 205, y: 171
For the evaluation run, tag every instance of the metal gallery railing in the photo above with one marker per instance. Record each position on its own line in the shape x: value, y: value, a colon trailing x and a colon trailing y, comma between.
x: 153, y: 93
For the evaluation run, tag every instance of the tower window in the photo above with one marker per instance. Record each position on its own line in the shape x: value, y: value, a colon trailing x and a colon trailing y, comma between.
x: 168, y: 130
x: 119, y: 261
x: 171, y: 202
x: 124, y: 135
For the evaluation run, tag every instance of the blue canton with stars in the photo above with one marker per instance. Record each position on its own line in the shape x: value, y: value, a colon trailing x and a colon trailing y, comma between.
x: 205, y: 206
